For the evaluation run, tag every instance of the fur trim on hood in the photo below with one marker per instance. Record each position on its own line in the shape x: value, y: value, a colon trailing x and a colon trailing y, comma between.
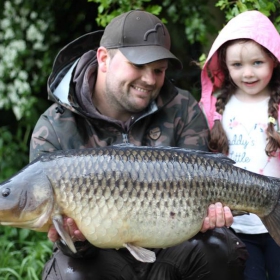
x: 247, y: 25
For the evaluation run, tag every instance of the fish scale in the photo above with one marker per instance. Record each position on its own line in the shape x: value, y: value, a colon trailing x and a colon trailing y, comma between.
x: 134, y: 197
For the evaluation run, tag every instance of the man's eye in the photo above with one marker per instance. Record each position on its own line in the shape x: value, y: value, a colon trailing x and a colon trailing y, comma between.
x: 158, y: 71
x: 138, y: 66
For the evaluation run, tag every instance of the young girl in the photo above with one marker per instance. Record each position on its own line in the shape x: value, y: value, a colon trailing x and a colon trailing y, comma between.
x: 240, y: 97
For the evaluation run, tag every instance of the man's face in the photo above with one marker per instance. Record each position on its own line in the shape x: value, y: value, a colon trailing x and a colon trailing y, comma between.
x: 131, y: 87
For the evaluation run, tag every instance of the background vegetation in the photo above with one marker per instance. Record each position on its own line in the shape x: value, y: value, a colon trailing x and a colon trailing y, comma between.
x: 32, y: 32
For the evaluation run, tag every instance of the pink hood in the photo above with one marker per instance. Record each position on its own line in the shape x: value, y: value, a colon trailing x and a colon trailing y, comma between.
x: 250, y: 25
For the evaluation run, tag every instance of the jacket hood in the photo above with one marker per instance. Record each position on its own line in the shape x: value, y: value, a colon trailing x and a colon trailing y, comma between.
x: 74, y: 73
x: 247, y: 25
x: 59, y: 81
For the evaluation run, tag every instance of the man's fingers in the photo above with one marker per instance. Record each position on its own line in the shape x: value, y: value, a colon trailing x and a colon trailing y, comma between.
x: 220, y: 215
x: 73, y: 230
x: 217, y: 216
x: 205, y: 225
x: 212, y: 216
x: 228, y: 216
x: 52, y: 234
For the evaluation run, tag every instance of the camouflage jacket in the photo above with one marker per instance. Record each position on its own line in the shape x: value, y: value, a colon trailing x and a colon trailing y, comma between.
x: 173, y: 119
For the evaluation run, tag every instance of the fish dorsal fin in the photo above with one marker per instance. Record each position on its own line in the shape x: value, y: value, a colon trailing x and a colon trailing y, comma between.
x: 58, y: 224
x: 141, y: 254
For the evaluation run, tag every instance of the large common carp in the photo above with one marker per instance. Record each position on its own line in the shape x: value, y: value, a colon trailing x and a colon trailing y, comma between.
x: 134, y: 197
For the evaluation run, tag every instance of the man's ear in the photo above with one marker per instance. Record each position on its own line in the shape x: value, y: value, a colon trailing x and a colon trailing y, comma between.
x: 102, y: 56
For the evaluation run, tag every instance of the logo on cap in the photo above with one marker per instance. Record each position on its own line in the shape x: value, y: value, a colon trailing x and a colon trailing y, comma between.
x: 158, y: 25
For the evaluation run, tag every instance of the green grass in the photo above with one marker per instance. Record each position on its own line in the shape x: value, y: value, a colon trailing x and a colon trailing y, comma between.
x: 23, y: 253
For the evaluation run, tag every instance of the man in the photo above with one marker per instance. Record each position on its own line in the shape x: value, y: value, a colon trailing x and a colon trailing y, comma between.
x: 118, y: 93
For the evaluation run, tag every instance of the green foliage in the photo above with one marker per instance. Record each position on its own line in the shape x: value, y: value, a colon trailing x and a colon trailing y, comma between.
x: 108, y: 9
x: 14, y: 149
x: 23, y: 253
x: 26, y: 32
x: 269, y: 8
x: 193, y: 15
x: 25, y: 35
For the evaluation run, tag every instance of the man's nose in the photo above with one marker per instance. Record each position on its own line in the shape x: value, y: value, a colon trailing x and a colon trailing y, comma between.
x: 148, y: 77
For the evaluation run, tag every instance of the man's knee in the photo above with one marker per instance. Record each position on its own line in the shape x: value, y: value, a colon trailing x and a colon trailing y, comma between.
x: 107, y: 264
x: 223, y: 243
x: 225, y: 253
x: 216, y: 254
x: 62, y: 267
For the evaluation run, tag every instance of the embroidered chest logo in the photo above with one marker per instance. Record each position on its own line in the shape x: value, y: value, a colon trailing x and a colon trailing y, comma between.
x: 155, y: 133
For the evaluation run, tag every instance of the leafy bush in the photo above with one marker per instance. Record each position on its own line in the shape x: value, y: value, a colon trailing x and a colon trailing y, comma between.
x: 26, y: 33
x: 23, y: 253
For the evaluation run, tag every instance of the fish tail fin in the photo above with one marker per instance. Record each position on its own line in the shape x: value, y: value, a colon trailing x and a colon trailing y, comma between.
x: 272, y: 223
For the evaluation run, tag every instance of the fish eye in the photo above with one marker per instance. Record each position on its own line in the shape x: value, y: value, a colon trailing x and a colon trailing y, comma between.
x: 6, y: 192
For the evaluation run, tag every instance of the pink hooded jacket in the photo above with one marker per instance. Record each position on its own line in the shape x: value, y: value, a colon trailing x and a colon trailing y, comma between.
x: 250, y: 25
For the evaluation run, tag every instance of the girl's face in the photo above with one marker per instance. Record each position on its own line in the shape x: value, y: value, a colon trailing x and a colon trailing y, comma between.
x: 250, y: 68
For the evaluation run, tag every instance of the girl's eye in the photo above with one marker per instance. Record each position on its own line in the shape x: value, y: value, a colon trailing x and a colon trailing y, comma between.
x: 237, y: 64
x: 258, y: 62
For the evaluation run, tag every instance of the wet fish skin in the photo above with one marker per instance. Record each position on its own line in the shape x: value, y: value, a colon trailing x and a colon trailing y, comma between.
x: 141, y: 196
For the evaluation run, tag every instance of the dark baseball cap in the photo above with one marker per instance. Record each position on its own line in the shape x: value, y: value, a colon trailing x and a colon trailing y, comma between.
x: 140, y: 36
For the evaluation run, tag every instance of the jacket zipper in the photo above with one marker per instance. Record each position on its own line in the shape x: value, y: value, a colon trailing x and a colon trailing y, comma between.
x: 125, y: 138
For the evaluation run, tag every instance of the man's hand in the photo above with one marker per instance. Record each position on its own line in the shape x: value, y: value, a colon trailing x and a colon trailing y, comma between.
x: 71, y: 227
x: 218, y: 216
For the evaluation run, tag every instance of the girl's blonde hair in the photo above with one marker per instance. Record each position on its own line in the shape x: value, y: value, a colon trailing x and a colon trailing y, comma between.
x: 218, y: 140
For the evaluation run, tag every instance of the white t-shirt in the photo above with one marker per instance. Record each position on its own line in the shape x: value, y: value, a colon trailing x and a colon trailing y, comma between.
x: 245, y: 125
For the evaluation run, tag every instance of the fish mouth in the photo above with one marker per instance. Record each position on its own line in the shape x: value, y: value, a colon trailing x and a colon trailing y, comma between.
x: 27, y: 224
x: 33, y: 224
x: 29, y: 216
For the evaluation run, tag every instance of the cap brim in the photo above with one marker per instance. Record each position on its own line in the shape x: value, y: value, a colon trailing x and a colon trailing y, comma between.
x: 147, y: 54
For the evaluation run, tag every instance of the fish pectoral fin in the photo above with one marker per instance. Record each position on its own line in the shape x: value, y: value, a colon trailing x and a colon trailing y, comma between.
x: 58, y: 224
x: 239, y: 213
x: 141, y: 254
